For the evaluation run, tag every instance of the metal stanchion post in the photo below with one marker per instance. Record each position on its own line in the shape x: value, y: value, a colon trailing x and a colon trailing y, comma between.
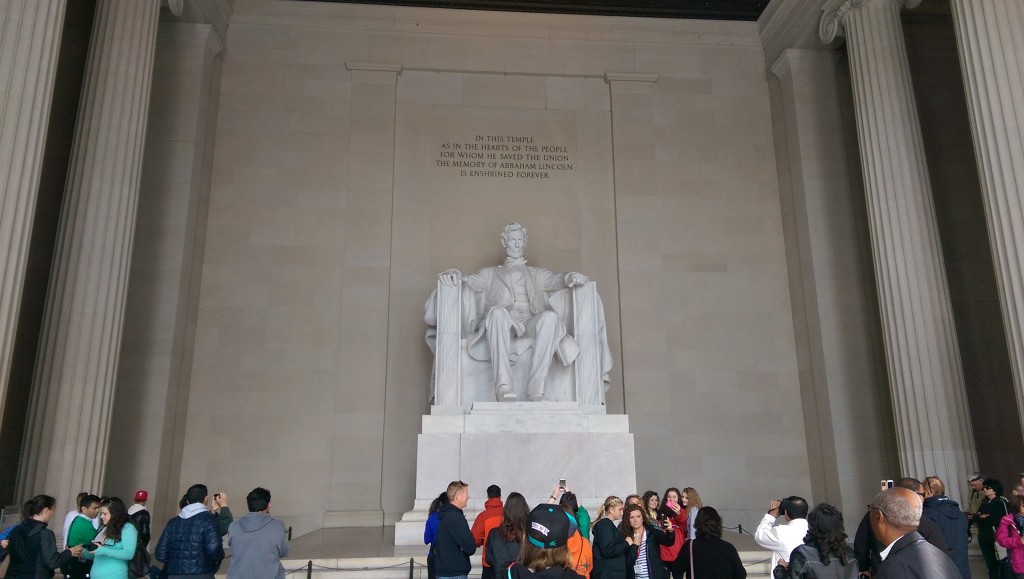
x: 411, y: 560
x: 309, y: 569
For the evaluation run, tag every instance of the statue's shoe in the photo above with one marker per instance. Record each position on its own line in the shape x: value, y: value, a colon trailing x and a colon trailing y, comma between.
x: 536, y: 398
x: 505, y: 394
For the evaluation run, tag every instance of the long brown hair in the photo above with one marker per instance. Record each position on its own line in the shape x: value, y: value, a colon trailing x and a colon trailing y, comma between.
x: 118, y: 518
x: 536, y: 559
x: 624, y: 527
x: 514, y: 518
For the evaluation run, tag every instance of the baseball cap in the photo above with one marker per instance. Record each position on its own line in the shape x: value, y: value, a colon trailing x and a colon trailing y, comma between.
x: 975, y: 476
x: 141, y: 495
x: 549, y: 526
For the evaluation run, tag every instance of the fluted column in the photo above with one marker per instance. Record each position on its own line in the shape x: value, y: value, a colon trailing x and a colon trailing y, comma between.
x: 30, y: 32
x: 65, y: 444
x: 933, y: 428
x: 990, y: 38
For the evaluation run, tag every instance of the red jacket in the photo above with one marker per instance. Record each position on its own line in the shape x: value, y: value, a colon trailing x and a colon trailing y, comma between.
x: 492, y: 509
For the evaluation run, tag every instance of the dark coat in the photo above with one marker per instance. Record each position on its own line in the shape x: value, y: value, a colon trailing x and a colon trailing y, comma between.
x: 141, y: 521
x: 609, y: 551
x: 499, y: 551
x: 867, y: 547
x: 805, y: 563
x: 191, y: 546
x: 654, y: 538
x: 713, y: 558
x: 33, y: 551
x: 946, y: 514
x: 454, y: 542
x: 913, y: 557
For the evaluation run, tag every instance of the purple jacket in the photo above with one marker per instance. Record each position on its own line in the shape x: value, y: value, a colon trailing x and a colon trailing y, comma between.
x: 1008, y: 536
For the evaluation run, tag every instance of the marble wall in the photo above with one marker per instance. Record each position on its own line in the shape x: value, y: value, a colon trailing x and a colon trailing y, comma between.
x: 329, y: 220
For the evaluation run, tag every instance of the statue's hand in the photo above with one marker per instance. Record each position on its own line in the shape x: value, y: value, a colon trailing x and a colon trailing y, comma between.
x: 452, y: 277
x: 574, y: 279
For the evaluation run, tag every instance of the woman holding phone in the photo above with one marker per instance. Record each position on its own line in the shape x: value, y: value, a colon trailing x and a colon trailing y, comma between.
x: 111, y: 557
x: 672, y: 509
x: 643, y: 559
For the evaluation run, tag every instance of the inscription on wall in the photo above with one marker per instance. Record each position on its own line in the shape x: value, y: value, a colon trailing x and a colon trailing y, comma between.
x: 504, y: 157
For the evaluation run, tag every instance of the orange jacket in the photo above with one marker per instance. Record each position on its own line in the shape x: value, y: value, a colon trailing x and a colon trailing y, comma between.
x: 489, y: 525
x: 493, y: 509
x: 582, y: 554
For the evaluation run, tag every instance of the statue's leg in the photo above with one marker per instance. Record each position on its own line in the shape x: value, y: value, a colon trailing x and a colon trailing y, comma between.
x: 544, y: 328
x: 498, y: 331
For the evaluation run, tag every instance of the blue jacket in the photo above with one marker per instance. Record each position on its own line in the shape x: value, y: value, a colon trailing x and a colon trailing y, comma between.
x: 953, y: 523
x: 430, y: 532
x: 191, y: 545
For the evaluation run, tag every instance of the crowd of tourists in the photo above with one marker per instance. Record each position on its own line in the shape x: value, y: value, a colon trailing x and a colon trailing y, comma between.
x: 910, y: 530
x: 643, y: 537
x: 104, y: 539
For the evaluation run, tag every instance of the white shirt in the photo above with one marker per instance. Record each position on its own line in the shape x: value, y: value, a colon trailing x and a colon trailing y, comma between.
x: 885, y: 551
x: 780, y: 539
x: 68, y: 519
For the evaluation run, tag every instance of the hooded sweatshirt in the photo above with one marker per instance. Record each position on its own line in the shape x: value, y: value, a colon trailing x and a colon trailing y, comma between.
x: 257, y: 541
x: 946, y: 514
x: 454, y: 542
x: 33, y: 551
x: 493, y: 509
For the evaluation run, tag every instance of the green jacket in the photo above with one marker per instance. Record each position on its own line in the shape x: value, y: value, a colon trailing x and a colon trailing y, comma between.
x: 81, y: 531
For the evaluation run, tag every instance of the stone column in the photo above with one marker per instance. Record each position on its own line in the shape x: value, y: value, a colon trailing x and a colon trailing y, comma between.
x: 841, y: 381
x: 933, y: 429
x: 990, y: 35
x: 66, y: 434
x: 30, y: 32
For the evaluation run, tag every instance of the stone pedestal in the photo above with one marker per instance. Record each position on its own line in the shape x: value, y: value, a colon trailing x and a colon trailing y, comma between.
x: 522, y: 447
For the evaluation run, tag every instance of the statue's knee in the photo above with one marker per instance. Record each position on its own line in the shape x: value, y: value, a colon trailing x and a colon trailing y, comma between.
x: 498, y: 316
x: 547, y: 318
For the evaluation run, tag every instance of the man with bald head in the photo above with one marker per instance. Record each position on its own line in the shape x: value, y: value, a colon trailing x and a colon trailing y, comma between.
x: 895, y: 515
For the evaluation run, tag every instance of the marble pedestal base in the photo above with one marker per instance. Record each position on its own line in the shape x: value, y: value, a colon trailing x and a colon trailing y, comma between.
x: 523, y: 447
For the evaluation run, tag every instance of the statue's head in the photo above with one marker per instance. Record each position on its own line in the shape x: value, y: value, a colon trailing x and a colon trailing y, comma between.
x: 513, y: 239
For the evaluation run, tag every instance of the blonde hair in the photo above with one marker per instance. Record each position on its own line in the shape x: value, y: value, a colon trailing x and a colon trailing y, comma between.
x: 609, y: 504
x: 692, y: 499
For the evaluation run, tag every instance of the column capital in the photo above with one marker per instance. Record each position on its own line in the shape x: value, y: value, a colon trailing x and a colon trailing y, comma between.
x: 834, y: 13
